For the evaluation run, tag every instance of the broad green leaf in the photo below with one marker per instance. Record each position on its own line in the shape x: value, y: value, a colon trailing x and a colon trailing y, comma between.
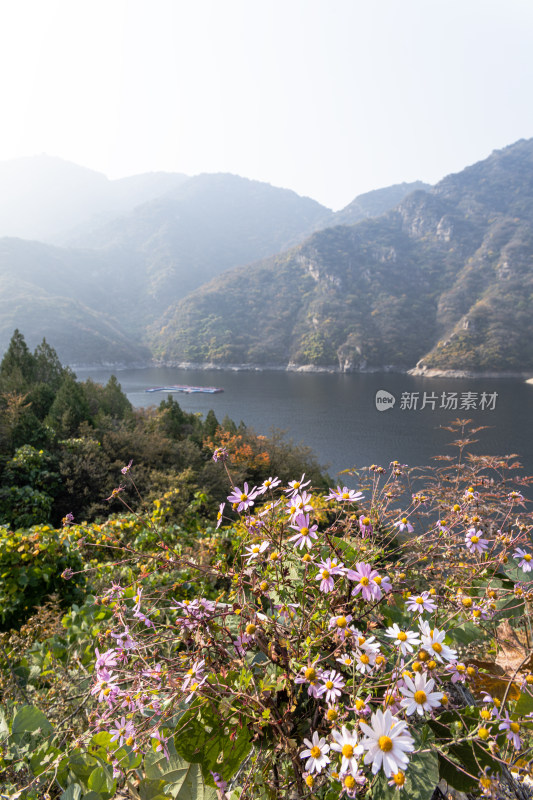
x: 73, y: 792
x: 524, y: 704
x: 467, y: 633
x: 102, y: 783
x: 27, y: 720
x: 158, y: 767
x: 421, y: 778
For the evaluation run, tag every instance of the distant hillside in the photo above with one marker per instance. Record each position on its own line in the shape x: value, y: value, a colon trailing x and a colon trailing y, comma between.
x: 45, y: 198
x: 207, y: 225
x: 445, y: 279
x: 75, y: 298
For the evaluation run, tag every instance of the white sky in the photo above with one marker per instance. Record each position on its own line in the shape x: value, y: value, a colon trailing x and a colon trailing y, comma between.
x: 330, y: 98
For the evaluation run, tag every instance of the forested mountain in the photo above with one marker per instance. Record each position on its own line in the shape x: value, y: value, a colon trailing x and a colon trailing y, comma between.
x: 226, y: 270
x: 445, y: 279
x: 206, y: 226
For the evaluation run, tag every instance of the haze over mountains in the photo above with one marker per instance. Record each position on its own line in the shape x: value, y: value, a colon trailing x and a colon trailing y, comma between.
x: 225, y: 270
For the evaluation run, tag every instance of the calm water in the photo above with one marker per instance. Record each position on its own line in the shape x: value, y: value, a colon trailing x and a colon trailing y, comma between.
x: 336, y: 415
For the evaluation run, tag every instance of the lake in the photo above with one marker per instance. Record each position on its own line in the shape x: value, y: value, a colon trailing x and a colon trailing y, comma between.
x: 337, y: 414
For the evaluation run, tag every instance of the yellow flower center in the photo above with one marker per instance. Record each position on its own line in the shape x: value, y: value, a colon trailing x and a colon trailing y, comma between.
x: 310, y: 674
x: 419, y: 600
x: 364, y: 581
x: 515, y: 727
x: 399, y: 778
x: 364, y: 659
x: 385, y: 743
x: 244, y: 497
x: 316, y: 752
x: 310, y: 781
x: 460, y: 668
x: 486, y: 783
x: 329, y: 684
x: 474, y: 539
x: 332, y: 714
x: 470, y: 671
x: 432, y: 664
x: 467, y: 602
x: 304, y: 531
x: 365, y: 521
x: 341, y: 622
x: 420, y: 697
x: 361, y: 639
x: 378, y: 580
x: 404, y: 520
x: 349, y: 781
x: 251, y: 628
x: 256, y: 549
x: 483, y: 733
x: 325, y: 574
x: 527, y: 557
x: 402, y: 636
x: 347, y: 750
x: 359, y: 704
x: 345, y: 495
x: 437, y: 647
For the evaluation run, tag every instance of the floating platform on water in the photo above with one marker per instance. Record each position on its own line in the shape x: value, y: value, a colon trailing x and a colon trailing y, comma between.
x: 187, y: 389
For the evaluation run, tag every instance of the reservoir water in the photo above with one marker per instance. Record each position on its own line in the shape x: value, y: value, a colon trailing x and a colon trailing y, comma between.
x: 337, y: 414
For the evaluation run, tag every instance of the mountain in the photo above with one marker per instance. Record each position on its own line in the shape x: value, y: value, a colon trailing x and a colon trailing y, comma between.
x: 74, y: 298
x: 443, y: 281
x: 209, y: 224
x: 45, y: 198
x: 376, y: 203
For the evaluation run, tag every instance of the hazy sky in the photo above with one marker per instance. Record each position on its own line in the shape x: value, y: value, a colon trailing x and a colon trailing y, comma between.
x: 330, y: 98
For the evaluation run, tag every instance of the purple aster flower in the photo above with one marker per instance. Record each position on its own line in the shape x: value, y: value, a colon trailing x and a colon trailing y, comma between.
x: 305, y: 533
x: 219, y: 514
x: 328, y: 568
x: 420, y: 603
x: 127, y: 468
x: 404, y: 525
x: 344, y: 495
x: 512, y: 729
x: 332, y: 686
x: 244, y: 499
x: 365, y: 526
x: 123, y: 731
x: 474, y: 541
x: 311, y: 676
x: 220, y: 454
x: 526, y: 559
x: 104, y: 660
x: 364, y: 575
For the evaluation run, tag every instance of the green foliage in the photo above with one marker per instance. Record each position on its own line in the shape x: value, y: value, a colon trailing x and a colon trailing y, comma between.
x: 31, y: 566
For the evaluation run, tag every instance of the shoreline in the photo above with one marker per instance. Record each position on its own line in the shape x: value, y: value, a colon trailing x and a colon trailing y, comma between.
x: 419, y: 372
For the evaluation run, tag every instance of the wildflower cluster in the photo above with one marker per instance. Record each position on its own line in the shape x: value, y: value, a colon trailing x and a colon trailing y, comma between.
x: 345, y: 654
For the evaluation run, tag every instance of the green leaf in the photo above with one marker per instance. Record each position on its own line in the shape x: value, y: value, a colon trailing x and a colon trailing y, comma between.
x: 175, y: 776
x: 421, y: 778
x: 524, y: 704
x: 99, y: 781
x: 467, y: 633
x: 72, y: 793
x: 27, y: 720
x: 158, y: 767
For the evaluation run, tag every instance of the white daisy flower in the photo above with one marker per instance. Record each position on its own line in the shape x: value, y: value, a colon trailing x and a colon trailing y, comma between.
x: 255, y: 550
x: 419, y: 694
x: 433, y: 642
x: 406, y: 641
x: 386, y: 743
x: 347, y: 745
x: 316, y: 754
